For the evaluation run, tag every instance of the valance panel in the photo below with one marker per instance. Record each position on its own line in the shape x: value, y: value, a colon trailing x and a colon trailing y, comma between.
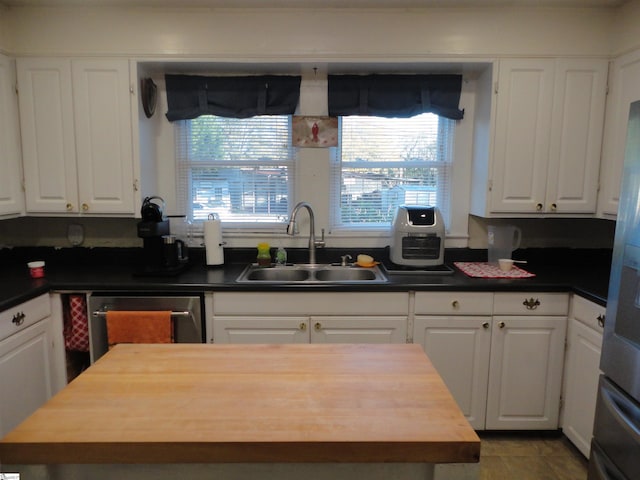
x: 395, y: 95
x: 189, y: 96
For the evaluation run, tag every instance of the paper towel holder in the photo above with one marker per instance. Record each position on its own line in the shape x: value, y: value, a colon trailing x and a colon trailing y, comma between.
x: 215, y: 216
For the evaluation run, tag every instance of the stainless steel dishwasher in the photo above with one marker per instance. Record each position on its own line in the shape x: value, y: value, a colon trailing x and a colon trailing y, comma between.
x: 186, y: 314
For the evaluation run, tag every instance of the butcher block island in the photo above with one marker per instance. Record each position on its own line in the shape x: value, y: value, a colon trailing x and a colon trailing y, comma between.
x: 249, y: 411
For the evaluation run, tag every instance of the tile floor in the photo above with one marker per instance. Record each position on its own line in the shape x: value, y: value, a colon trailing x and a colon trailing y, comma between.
x: 517, y: 456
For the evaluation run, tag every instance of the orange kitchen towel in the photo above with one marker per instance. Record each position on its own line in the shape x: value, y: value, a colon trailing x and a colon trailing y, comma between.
x: 139, y: 327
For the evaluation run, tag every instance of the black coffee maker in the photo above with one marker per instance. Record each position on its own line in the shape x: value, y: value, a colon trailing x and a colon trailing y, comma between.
x: 163, y: 253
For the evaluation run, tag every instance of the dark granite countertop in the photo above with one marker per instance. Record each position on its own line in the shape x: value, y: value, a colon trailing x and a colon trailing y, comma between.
x: 583, y: 272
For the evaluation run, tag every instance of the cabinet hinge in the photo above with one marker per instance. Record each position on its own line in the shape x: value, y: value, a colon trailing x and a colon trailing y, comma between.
x: 490, y: 184
x: 135, y: 185
x: 495, y: 88
x: 17, y: 89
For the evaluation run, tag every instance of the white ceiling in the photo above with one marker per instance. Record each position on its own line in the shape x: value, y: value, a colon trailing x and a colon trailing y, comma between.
x: 316, y: 3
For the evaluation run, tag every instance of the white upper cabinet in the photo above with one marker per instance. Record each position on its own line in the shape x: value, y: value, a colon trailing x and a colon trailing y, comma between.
x: 522, y: 133
x: 11, y: 197
x: 548, y: 118
x: 624, y: 88
x: 577, y: 125
x: 76, y: 134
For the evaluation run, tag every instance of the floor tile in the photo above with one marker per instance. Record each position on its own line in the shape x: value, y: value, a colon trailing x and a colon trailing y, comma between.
x: 530, y: 456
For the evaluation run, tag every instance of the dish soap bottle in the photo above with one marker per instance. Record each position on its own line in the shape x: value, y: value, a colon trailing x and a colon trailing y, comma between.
x: 264, y: 256
x: 281, y: 256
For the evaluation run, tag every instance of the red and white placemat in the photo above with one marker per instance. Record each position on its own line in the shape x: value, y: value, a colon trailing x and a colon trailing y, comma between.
x: 488, y: 270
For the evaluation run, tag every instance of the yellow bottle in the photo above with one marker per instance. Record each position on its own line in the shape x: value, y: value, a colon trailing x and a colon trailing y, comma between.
x: 264, y: 255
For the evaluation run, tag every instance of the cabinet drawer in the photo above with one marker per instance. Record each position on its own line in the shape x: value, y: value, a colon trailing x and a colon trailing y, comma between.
x: 530, y: 303
x: 21, y: 316
x: 453, y: 303
x: 589, y: 313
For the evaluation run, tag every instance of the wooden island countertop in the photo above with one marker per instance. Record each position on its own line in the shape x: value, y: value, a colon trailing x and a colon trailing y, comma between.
x: 183, y: 403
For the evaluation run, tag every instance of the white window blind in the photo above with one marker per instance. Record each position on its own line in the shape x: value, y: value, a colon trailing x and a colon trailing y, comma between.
x: 237, y: 168
x: 385, y: 162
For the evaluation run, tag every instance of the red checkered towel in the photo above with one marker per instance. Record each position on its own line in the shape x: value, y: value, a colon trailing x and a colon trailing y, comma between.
x: 76, y: 324
x: 488, y: 270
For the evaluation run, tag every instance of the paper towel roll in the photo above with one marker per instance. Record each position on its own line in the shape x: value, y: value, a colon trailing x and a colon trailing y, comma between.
x: 213, y: 242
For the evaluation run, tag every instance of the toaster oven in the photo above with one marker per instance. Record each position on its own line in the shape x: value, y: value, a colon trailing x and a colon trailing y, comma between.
x: 418, y: 235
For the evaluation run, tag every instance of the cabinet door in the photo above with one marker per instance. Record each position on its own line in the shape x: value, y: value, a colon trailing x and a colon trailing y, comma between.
x: 102, y: 105
x: 48, y: 139
x: 576, y: 135
x: 25, y: 374
x: 458, y: 348
x: 525, y: 372
x: 624, y: 88
x: 522, y: 135
x: 354, y: 329
x: 581, y: 384
x: 11, y: 197
x: 255, y: 330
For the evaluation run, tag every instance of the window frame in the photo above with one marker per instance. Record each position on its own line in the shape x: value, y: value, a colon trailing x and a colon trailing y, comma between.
x: 185, y: 178
x: 336, y: 175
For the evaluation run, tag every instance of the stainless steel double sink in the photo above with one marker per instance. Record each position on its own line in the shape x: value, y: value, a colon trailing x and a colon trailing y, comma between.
x: 312, y: 273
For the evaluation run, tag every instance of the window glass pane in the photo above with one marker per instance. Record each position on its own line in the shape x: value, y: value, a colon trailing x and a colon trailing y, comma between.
x: 385, y: 162
x: 237, y: 168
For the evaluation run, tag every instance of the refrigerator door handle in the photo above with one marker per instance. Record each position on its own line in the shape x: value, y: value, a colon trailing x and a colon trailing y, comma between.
x: 623, y: 412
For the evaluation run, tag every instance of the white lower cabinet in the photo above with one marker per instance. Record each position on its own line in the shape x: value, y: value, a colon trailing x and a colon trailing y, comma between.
x: 29, y: 350
x: 503, y: 369
x: 584, y: 345
x: 525, y: 373
x: 454, y: 328
x: 262, y: 317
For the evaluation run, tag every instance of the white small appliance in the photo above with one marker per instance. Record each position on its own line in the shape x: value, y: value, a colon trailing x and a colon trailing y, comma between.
x: 418, y: 236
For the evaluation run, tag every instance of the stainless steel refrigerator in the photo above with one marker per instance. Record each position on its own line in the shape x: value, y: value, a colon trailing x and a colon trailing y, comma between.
x: 615, y: 448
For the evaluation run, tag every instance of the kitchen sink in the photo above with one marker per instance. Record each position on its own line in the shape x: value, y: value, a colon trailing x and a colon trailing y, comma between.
x: 311, y: 273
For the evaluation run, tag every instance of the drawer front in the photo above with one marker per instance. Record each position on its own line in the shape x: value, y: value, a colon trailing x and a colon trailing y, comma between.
x: 302, y: 303
x: 531, y: 303
x: 589, y: 313
x: 21, y: 316
x: 453, y: 303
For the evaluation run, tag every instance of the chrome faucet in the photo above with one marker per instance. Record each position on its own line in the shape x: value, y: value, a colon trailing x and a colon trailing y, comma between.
x: 313, y: 243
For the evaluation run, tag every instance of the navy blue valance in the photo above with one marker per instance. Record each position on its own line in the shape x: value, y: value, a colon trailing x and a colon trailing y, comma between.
x: 189, y: 96
x: 395, y: 95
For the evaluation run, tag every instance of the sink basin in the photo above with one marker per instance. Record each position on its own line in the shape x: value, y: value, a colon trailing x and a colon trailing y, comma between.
x: 317, y: 273
x: 347, y: 274
x: 277, y: 275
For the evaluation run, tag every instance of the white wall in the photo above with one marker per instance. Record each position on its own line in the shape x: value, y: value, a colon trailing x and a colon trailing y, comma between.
x: 311, y: 35
x: 625, y: 31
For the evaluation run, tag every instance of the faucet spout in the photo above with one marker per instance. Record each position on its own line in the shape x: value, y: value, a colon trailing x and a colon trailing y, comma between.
x: 312, y: 229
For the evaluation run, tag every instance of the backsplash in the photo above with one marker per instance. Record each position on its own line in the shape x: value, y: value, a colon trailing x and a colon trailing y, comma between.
x: 121, y: 232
